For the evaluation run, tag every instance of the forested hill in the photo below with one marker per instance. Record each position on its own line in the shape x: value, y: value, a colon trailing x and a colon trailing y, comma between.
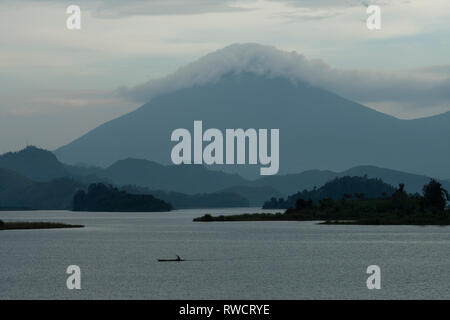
x: 345, y: 187
x: 104, y: 198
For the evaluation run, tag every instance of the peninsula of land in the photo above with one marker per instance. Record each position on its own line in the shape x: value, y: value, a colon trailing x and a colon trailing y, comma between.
x: 399, y: 208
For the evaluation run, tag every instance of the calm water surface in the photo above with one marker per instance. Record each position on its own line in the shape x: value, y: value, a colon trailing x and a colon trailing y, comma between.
x: 118, y: 252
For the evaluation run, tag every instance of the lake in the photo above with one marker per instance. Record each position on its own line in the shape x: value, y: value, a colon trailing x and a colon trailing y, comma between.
x: 118, y: 252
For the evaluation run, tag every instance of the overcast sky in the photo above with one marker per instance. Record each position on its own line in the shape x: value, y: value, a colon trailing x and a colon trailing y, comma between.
x: 57, y: 84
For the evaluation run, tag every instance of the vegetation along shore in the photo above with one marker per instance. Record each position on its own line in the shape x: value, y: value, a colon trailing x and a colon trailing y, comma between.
x: 399, y: 208
x: 22, y: 225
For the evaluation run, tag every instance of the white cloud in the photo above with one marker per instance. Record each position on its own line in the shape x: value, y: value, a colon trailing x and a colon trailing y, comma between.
x: 412, y: 88
x: 118, y: 9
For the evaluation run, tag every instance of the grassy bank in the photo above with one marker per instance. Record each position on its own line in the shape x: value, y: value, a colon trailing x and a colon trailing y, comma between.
x: 437, y: 220
x: 386, y: 219
x: 364, y: 212
x: 245, y: 217
x: 17, y: 225
x: 399, y: 209
x: 16, y: 209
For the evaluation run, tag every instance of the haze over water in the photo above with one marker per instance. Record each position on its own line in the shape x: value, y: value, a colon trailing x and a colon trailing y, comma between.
x: 118, y: 252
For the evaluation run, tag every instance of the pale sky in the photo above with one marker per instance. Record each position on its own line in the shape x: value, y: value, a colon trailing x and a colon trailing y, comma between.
x: 56, y: 84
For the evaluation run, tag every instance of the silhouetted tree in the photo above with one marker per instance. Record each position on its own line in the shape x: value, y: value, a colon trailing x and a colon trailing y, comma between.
x: 400, y: 194
x: 275, y: 203
x: 303, y: 204
x: 435, y: 196
x: 300, y: 204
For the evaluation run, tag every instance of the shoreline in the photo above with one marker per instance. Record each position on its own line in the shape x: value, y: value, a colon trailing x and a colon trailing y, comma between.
x: 24, y: 225
x: 261, y: 217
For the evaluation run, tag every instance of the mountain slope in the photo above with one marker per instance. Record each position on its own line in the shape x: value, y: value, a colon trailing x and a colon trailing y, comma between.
x: 256, y: 195
x: 12, y: 180
x: 413, y: 182
x: 33, y: 163
x: 344, y: 187
x: 318, y: 129
x: 187, y: 179
x: 293, y: 183
x: 19, y: 191
x: 313, y: 123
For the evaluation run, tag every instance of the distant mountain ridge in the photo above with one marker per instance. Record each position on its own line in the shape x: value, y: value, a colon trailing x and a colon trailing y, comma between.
x: 59, y: 182
x: 183, y: 178
x: 183, y: 182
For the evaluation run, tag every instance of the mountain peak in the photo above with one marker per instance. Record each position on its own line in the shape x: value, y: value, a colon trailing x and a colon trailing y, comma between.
x: 33, y: 162
x: 262, y: 60
x: 30, y: 151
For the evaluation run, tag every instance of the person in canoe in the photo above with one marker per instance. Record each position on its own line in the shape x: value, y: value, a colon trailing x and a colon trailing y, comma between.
x: 178, y: 259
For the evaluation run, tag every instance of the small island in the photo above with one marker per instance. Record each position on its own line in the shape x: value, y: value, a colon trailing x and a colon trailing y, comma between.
x: 23, y: 225
x: 397, y: 209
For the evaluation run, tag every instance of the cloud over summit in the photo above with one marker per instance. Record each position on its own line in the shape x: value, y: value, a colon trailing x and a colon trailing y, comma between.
x: 406, y: 89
